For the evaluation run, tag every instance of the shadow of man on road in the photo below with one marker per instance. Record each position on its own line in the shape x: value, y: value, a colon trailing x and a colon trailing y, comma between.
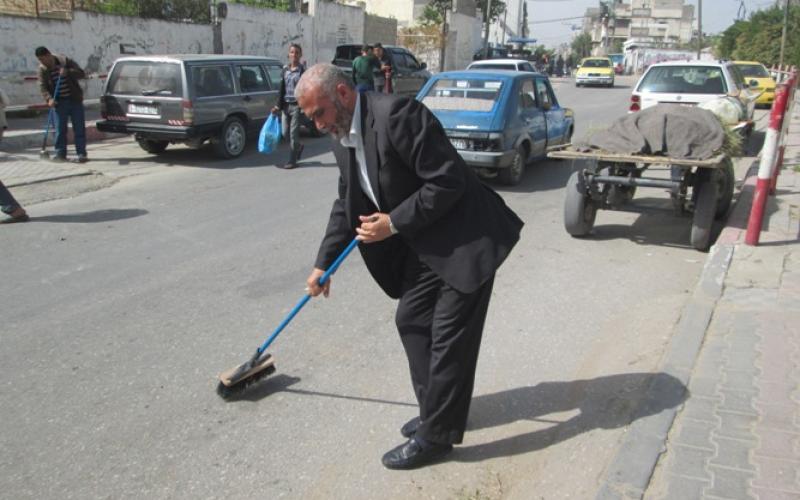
x: 107, y: 215
x: 606, y: 402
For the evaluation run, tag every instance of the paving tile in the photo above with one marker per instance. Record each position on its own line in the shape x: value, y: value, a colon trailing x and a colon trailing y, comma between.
x: 681, y: 487
x: 777, y: 474
x: 735, y: 425
x: 775, y: 444
x: 777, y: 416
x: 695, y: 433
x: 700, y: 408
x: 769, y: 494
x: 734, y: 453
x: 737, y: 401
x: 688, y: 461
x: 704, y: 386
x: 729, y: 484
x: 775, y: 392
x: 739, y: 379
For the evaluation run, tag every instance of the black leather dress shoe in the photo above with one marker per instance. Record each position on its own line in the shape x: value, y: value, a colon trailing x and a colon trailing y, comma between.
x: 411, y: 455
x: 410, y: 427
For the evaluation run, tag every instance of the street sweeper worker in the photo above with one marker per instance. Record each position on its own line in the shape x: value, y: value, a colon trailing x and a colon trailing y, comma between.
x: 432, y: 235
x: 62, y: 72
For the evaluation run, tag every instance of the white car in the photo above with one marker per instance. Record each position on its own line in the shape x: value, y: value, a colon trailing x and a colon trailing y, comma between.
x: 506, y: 64
x: 690, y: 83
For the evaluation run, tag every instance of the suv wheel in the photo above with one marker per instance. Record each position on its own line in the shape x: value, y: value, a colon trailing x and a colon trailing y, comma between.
x: 153, y: 146
x: 231, y: 140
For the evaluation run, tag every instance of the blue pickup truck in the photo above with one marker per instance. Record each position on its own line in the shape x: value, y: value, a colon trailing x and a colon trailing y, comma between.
x: 499, y: 121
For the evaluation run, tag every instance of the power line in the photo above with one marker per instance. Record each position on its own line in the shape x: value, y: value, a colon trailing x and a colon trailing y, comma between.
x: 555, y: 20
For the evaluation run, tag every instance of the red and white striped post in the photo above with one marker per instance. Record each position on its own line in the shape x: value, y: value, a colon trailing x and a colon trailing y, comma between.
x: 766, y: 166
x: 791, y: 85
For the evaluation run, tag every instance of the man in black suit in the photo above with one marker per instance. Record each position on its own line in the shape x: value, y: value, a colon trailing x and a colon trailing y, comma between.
x: 432, y: 235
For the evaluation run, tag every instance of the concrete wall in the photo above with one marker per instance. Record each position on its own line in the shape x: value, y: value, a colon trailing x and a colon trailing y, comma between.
x: 335, y: 25
x: 263, y: 32
x: 380, y: 29
x: 96, y: 40
x: 463, y: 40
x: 402, y: 10
x: 93, y: 40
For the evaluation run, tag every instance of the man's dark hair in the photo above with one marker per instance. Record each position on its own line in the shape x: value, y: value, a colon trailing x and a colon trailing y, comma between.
x: 42, y: 51
x: 377, y: 46
x: 365, y: 48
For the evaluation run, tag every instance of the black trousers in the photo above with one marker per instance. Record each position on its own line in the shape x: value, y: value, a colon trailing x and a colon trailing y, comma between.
x: 441, y: 329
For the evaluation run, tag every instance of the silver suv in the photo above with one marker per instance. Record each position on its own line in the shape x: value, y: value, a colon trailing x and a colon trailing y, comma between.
x: 190, y: 99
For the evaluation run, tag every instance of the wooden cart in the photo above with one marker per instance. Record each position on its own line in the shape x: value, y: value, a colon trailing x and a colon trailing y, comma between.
x: 610, y: 181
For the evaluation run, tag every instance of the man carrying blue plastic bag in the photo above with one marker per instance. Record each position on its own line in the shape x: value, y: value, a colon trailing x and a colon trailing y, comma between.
x: 287, y: 104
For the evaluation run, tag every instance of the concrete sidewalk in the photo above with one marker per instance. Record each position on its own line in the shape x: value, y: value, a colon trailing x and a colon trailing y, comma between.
x: 737, y: 348
x: 19, y: 149
x: 27, y: 131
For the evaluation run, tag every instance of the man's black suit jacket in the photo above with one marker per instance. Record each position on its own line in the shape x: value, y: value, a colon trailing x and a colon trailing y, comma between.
x: 457, y: 226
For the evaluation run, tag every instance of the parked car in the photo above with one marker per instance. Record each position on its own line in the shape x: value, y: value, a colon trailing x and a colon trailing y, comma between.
x: 508, y: 64
x: 690, y: 83
x: 190, y: 99
x: 408, y: 74
x: 754, y: 70
x: 595, y: 71
x: 498, y: 121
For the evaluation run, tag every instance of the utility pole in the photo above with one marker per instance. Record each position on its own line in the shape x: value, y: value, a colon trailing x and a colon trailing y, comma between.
x: 699, y: 28
x: 488, y: 15
x: 442, y: 49
x: 783, y: 31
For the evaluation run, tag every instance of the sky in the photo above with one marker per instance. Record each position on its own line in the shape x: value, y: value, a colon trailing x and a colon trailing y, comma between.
x: 717, y: 16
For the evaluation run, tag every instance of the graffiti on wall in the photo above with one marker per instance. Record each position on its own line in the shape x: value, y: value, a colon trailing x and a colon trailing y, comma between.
x: 267, y: 42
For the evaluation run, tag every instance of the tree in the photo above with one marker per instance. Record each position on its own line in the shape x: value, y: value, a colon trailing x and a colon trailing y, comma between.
x: 759, y: 38
x: 582, y: 45
x: 432, y: 12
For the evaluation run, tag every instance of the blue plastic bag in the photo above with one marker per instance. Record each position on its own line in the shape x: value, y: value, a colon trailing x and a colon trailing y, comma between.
x: 270, y: 135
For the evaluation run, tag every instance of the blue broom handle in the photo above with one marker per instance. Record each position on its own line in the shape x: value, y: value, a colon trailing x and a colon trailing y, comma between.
x: 50, y: 111
x: 332, y: 269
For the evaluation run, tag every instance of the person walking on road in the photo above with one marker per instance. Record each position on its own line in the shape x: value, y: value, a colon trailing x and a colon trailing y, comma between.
x: 364, y: 67
x: 385, y: 70
x: 10, y: 207
x: 432, y: 235
x: 287, y: 104
x: 68, y: 104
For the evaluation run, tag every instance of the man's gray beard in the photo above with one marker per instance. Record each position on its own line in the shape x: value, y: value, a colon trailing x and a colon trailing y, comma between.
x: 344, y: 119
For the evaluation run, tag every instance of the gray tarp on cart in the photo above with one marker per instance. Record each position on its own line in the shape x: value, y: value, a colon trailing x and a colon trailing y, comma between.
x: 666, y: 129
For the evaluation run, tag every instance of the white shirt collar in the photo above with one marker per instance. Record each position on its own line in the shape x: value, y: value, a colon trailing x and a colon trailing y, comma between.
x: 351, y: 139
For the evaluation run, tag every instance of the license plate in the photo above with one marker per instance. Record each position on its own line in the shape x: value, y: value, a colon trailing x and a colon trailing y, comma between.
x: 459, y: 143
x: 142, y: 109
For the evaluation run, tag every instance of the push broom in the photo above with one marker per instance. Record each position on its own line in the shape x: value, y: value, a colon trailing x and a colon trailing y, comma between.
x: 236, y: 380
x: 50, y: 119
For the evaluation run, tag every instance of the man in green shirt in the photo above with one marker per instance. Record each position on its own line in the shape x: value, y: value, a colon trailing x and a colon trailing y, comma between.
x: 363, y: 67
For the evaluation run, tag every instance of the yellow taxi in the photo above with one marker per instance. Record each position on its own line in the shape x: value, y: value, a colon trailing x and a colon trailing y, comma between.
x: 595, y: 71
x: 753, y: 70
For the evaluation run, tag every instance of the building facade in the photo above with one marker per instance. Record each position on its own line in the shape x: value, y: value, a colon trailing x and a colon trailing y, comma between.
x: 655, y: 23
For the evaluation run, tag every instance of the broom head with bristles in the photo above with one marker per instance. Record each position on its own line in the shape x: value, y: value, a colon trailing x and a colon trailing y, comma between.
x: 238, y: 379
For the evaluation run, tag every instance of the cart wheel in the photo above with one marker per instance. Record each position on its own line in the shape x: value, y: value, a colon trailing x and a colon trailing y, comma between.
x: 725, y: 184
x: 579, y: 210
x: 704, y: 209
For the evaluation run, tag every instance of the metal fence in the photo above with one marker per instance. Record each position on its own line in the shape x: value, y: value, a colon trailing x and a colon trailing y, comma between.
x: 193, y: 11
x: 51, y: 9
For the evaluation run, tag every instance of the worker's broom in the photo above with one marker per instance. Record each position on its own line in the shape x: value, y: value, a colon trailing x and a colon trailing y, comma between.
x: 50, y: 119
x: 236, y: 380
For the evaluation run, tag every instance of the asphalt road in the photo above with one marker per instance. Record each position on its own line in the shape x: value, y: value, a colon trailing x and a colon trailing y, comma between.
x: 122, y: 303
